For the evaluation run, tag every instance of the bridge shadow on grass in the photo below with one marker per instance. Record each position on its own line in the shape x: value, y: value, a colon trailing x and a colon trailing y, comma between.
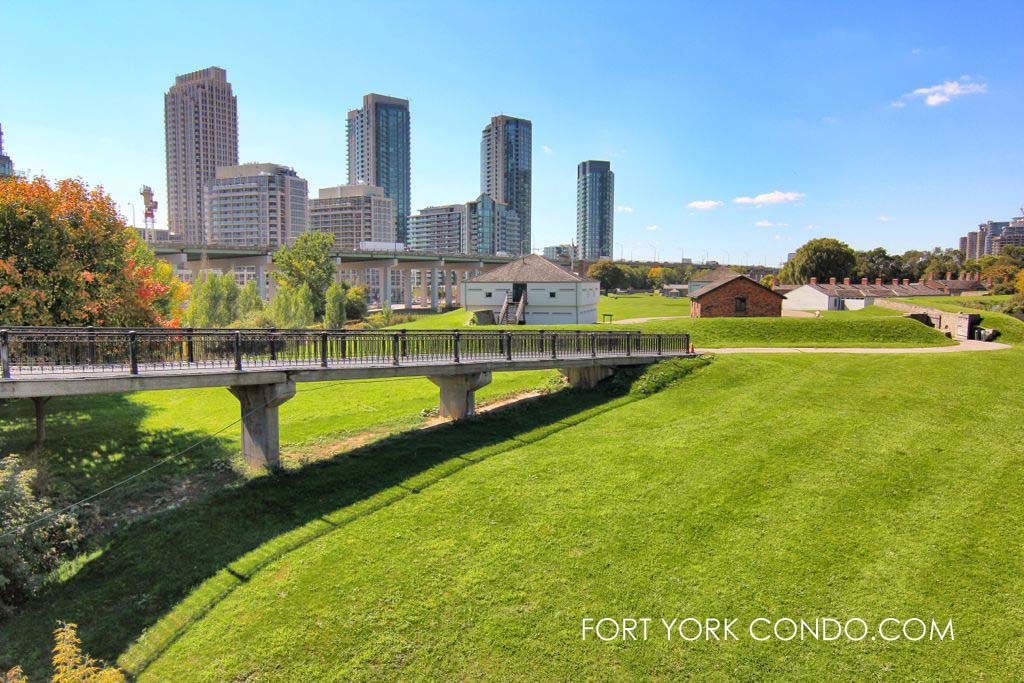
x: 95, y: 441
x: 219, y: 542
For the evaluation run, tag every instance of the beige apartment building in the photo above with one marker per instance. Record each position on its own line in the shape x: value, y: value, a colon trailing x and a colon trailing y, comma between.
x: 201, y: 134
x: 255, y: 205
x: 354, y: 214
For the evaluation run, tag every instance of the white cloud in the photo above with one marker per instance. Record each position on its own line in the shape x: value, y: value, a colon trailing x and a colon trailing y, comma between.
x: 935, y: 95
x: 624, y: 209
x: 546, y: 149
x: 886, y: 219
x: 652, y: 228
x: 916, y: 51
x: 775, y: 197
x: 764, y: 224
x: 703, y: 204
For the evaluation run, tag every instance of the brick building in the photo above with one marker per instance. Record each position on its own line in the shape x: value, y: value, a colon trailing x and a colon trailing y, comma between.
x: 736, y: 296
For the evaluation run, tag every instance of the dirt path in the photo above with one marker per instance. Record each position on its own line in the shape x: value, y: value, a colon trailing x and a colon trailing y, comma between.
x: 960, y: 346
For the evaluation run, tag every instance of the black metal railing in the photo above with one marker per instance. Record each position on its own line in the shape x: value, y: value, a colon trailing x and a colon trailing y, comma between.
x: 27, y: 352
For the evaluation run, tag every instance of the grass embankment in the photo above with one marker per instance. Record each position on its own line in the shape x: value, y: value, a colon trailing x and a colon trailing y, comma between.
x: 865, y: 331
x: 626, y: 306
x: 1010, y: 329
x: 797, y: 486
x: 866, y: 312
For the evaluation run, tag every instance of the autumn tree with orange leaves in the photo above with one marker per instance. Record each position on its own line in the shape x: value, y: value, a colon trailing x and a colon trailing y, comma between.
x: 68, y: 258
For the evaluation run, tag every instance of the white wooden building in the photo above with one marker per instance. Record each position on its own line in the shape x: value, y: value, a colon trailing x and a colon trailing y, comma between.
x: 533, y: 291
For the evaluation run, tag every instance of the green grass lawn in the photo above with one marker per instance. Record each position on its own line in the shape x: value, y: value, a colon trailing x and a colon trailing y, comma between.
x: 626, y: 306
x: 866, y: 312
x: 779, y: 486
x: 790, y: 485
x: 828, y: 331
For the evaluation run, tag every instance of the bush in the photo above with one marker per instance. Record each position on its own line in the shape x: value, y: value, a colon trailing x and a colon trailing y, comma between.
x: 355, y: 303
x: 70, y: 665
x: 335, y: 313
x: 28, y: 554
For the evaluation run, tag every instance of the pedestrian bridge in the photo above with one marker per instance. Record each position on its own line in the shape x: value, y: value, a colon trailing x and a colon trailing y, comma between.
x: 261, y: 367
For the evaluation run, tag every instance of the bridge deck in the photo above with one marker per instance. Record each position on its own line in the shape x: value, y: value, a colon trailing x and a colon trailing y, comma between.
x: 51, y: 362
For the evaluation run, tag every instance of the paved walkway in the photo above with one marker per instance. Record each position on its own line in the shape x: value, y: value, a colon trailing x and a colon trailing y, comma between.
x: 960, y: 346
x: 635, y: 321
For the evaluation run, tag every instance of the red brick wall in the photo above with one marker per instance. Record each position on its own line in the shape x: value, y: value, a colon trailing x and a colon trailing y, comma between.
x: 721, y: 302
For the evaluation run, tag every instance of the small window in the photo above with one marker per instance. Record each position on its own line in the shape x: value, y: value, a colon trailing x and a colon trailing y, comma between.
x: 741, y: 305
x: 551, y: 295
x: 488, y: 294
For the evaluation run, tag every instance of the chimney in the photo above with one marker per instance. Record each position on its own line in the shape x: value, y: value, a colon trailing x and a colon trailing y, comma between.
x: 846, y: 280
x: 878, y: 280
x: 906, y: 281
x: 988, y: 282
x: 960, y: 276
x: 831, y: 280
x: 814, y: 280
x: 949, y: 275
x: 895, y: 282
x: 863, y: 280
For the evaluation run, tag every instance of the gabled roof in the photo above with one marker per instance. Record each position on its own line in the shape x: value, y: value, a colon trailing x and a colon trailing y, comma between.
x: 729, y: 280
x: 960, y: 285
x: 532, y: 268
x: 883, y: 291
x: 719, y: 273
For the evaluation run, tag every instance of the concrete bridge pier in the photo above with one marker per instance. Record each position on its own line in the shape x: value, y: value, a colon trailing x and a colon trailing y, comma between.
x: 261, y: 443
x: 587, y: 377
x: 458, y: 393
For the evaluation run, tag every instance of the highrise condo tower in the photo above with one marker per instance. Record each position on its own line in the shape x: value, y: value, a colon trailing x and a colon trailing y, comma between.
x: 378, y: 152
x: 506, y: 171
x: 201, y: 131
x: 595, y: 210
x: 6, y: 165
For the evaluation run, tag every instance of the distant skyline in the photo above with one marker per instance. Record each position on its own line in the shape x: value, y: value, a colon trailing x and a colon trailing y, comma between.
x: 737, y: 130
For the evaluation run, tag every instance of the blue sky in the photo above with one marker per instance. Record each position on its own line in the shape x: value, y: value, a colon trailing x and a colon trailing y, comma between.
x: 883, y: 124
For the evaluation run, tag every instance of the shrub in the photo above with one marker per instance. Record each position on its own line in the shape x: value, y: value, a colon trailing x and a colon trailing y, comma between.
x: 70, y: 665
x: 27, y: 554
x: 355, y: 303
x: 335, y: 313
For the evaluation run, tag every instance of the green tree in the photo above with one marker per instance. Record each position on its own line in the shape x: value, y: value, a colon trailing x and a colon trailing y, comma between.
x: 214, y: 301
x: 307, y: 262
x: 822, y: 258
x: 249, y: 301
x: 355, y: 303
x: 282, y: 307
x: 335, y: 314
x: 303, y: 313
x: 610, y: 274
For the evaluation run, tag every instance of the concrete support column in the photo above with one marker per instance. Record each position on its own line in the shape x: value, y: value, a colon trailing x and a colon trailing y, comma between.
x: 433, y: 289
x: 385, y: 286
x: 449, y: 280
x: 261, y: 444
x: 39, y: 402
x: 408, y: 289
x: 587, y: 377
x: 458, y: 393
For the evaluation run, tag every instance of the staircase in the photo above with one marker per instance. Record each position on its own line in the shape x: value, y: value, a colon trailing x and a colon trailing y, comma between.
x: 520, y: 311
x: 503, y: 313
x: 507, y: 316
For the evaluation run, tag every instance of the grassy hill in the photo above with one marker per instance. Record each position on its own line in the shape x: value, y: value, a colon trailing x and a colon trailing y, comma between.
x: 785, y: 484
x: 830, y: 331
x: 801, y: 486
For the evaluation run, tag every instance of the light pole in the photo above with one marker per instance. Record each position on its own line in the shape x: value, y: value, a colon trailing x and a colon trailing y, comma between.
x: 654, y: 246
x: 133, y: 214
x: 622, y: 250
